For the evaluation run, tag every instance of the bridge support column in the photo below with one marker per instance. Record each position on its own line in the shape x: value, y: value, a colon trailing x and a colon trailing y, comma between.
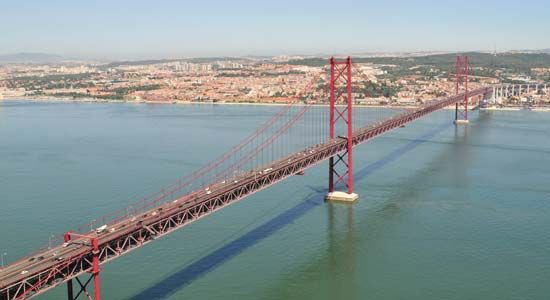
x: 70, y: 290
x: 95, y: 268
x: 341, y: 93
x: 66, y: 239
x: 462, y: 70
x: 94, y: 243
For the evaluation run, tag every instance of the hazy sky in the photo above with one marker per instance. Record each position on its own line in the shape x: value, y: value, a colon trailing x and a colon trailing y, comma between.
x: 140, y: 29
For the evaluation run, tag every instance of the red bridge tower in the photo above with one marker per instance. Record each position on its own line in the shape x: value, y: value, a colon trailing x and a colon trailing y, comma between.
x: 340, y: 93
x: 462, y: 67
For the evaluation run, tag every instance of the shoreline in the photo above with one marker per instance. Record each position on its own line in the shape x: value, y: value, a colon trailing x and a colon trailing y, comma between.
x: 94, y: 100
x: 103, y: 101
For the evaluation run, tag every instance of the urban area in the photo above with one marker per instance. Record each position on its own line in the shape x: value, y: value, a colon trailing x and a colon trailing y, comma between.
x: 406, y: 80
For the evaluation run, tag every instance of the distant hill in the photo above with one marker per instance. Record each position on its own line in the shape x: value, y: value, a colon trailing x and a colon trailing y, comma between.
x: 540, y: 51
x: 511, y: 60
x: 30, y: 58
x: 196, y: 60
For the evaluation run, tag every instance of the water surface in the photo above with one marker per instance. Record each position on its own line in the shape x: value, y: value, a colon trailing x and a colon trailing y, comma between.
x: 444, y: 212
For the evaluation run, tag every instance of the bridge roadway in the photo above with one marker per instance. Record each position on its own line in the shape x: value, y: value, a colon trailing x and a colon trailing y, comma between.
x: 32, y: 276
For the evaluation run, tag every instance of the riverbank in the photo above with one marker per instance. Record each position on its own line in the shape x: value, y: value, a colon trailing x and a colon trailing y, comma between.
x: 516, y: 108
x: 96, y: 100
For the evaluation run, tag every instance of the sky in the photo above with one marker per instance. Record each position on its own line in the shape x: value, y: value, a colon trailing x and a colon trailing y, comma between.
x: 168, y: 29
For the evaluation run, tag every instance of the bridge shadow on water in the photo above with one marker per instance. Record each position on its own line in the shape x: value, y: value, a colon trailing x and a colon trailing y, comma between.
x: 209, y: 262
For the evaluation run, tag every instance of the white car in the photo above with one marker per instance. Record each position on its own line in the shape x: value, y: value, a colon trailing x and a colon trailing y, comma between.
x: 101, y: 229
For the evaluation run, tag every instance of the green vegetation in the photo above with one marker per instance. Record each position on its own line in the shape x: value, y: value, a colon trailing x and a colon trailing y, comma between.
x: 275, y: 74
x: 483, y: 64
x: 240, y: 74
x: 51, y: 81
x: 263, y: 74
x: 82, y: 95
x: 127, y: 90
x: 114, y: 94
x: 519, y: 61
x: 373, y: 90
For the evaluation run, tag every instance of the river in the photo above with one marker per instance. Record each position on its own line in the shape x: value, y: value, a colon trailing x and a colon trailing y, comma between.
x: 444, y: 212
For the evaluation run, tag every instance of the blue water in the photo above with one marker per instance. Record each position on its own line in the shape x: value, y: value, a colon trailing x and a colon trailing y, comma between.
x: 444, y: 212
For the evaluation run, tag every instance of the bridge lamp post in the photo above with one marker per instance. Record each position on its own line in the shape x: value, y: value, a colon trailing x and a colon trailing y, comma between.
x: 92, y: 224
x: 2, y: 258
x: 128, y: 211
x: 50, y: 241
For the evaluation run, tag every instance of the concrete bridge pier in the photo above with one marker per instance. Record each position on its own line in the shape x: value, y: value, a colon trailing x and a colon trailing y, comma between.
x: 337, y: 196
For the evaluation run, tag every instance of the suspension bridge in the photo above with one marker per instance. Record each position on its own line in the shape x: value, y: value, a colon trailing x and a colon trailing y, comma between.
x: 296, y: 138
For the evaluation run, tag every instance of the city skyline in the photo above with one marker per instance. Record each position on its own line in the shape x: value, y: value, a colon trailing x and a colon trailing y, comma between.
x: 134, y: 30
